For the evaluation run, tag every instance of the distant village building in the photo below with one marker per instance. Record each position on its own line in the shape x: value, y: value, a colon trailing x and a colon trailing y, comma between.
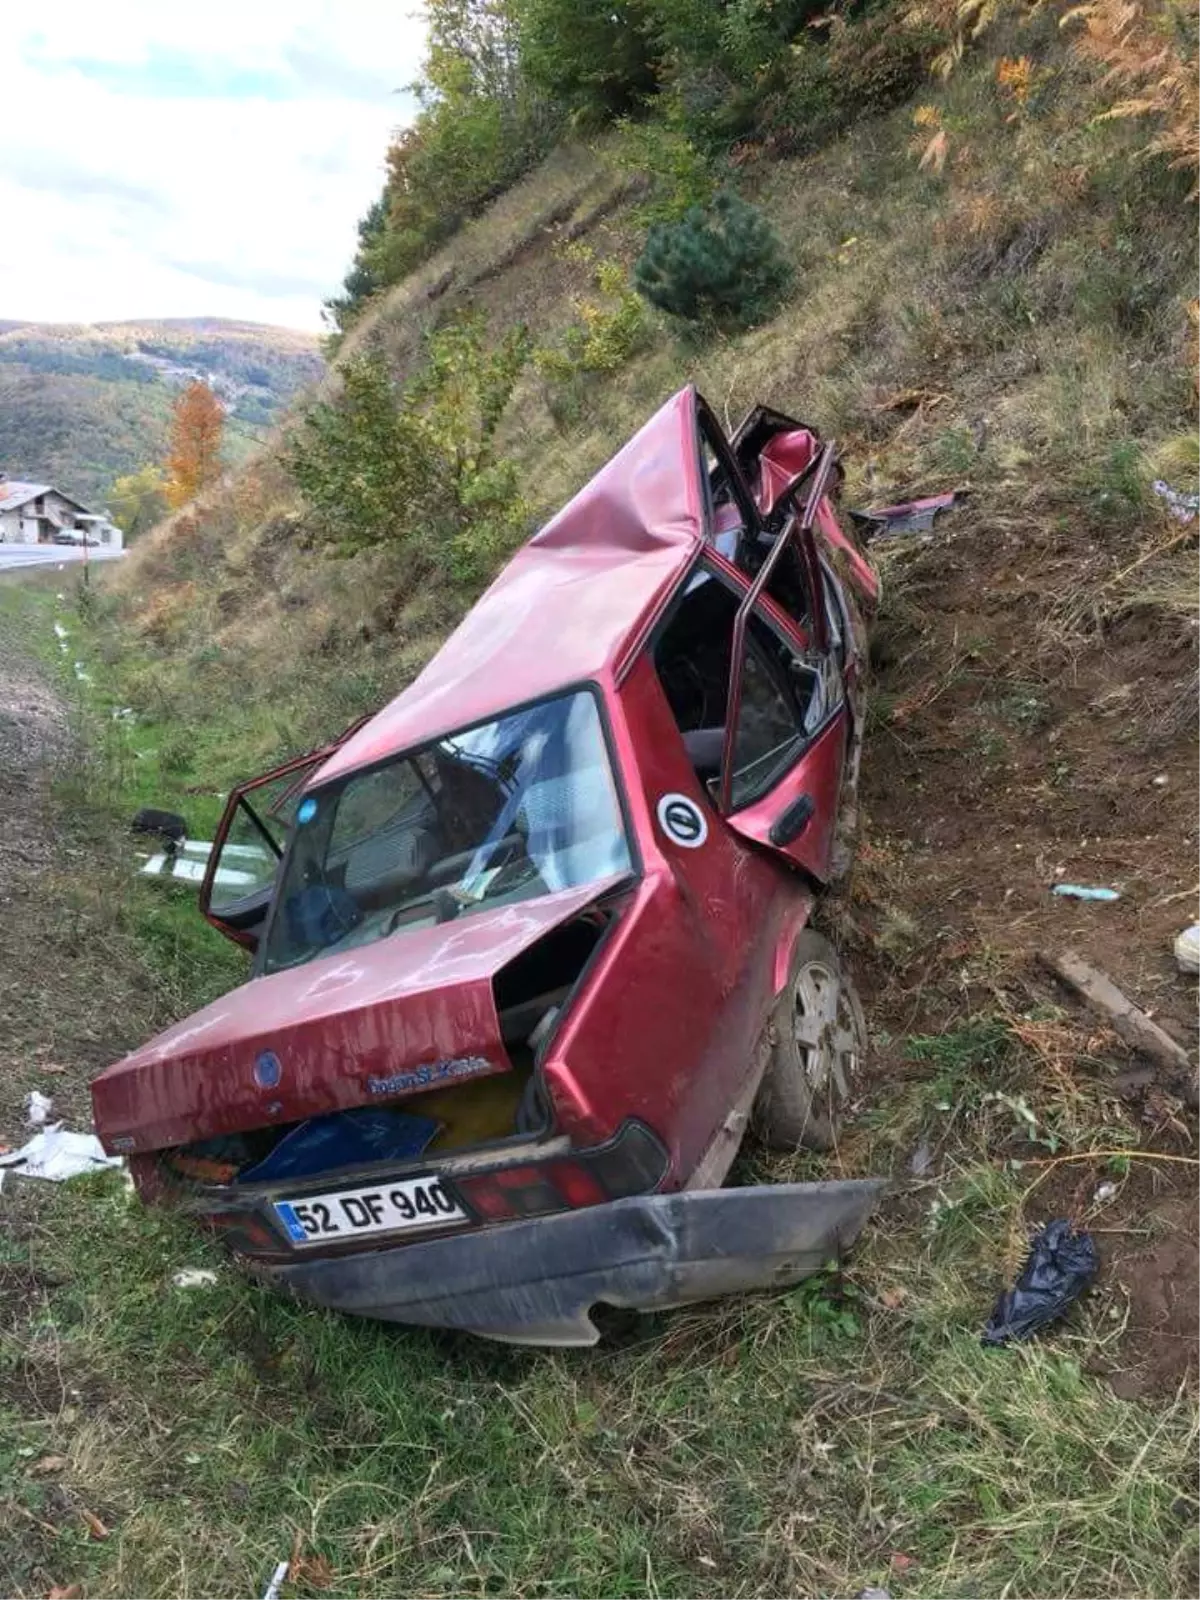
x: 37, y: 513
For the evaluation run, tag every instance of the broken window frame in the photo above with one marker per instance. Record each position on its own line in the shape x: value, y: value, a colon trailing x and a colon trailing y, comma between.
x: 797, y: 531
x: 300, y: 767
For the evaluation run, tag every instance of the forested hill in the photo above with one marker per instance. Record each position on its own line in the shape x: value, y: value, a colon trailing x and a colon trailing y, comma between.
x: 81, y: 404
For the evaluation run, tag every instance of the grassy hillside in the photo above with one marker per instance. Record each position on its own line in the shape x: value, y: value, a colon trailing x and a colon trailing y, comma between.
x: 1008, y: 314
x: 80, y: 405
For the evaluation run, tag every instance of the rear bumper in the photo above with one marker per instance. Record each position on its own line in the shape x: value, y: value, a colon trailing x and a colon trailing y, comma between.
x: 535, y: 1281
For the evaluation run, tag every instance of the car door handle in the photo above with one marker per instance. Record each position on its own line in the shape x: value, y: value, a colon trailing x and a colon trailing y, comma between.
x: 792, y: 821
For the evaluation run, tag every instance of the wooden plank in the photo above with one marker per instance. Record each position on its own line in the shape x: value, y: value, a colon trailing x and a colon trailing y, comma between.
x: 1128, y: 1020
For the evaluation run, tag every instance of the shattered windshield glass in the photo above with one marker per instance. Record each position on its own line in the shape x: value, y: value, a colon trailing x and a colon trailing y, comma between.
x: 507, y: 811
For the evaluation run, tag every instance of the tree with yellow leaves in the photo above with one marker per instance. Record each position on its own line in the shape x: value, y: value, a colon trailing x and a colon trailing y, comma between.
x: 197, y: 426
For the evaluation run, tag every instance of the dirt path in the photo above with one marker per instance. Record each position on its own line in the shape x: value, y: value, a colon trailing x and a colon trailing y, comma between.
x: 33, y: 738
x: 73, y: 990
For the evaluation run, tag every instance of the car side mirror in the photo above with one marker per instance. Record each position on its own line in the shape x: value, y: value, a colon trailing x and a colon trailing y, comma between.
x: 792, y: 821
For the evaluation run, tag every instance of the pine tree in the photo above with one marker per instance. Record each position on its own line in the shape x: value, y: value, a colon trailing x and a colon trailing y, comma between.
x: 722, y: 264
x: 197, y: 425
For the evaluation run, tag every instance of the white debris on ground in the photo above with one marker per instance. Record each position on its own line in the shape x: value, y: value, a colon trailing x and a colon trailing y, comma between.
x: 1187, y: 949
x: 56, y: 1153
x: 194, y: 1278
x: 38, y: 1107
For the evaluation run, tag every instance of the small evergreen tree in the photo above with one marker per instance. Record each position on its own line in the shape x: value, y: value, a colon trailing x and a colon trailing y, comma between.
x: 721, y: 264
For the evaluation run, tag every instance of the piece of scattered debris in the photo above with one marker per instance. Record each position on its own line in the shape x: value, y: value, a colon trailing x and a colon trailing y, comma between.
x: 168, y: 826
x: 1106, y: 1192
x: 38, y: 1107
x: 1084, y: 891
x: 188, y: 862
x: 278, y: 1579
x: 1187, y: 949
x: 1060, y: 1265
x: 1183, y: 507
x: 921, y: 1159
x: 82, y: 673
x: 56, y: 1154
x: 908, y: 516
x: 194, y: 1278
x: 1130, y: 1021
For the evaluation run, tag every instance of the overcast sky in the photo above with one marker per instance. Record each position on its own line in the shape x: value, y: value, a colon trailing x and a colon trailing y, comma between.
x: 167, y: 160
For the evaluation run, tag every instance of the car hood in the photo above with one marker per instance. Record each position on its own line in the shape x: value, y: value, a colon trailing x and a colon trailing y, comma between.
x: 371, y: 1024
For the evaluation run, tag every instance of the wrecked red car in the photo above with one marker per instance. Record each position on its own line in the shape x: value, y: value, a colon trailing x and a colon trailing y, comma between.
x: 532, y: 944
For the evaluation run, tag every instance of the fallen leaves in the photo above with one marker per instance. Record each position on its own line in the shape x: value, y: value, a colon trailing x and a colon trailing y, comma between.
x: 45, y: 1464
x: 316, y: 1571
x: 96, y: 1528
x: 933, y: 157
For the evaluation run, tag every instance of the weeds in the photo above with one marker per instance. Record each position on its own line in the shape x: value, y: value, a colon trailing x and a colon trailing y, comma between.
x: 607, y: 332
x: 418, y: 466
x: 1148, y: 50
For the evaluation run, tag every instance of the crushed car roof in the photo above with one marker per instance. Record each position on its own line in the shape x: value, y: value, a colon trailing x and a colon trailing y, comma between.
x: 570, y: 604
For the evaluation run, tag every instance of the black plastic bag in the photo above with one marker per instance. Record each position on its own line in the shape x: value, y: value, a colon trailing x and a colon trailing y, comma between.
x: 1060, y: 1266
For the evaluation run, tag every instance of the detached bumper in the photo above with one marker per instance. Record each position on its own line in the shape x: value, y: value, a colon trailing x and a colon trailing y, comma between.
x: 535, y: 1282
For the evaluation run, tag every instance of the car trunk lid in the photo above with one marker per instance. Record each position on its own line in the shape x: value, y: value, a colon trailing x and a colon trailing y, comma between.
x: 368, y: 1025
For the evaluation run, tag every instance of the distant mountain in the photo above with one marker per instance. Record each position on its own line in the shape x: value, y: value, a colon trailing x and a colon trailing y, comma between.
x: 80, y: 404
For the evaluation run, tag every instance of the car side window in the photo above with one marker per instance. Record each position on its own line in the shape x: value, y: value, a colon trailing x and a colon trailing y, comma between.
x: 784, y: 701
x: 784, y: 697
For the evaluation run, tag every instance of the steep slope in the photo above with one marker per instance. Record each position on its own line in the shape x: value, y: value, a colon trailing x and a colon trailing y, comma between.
x: 1012, y: 317
x: 80, y: 404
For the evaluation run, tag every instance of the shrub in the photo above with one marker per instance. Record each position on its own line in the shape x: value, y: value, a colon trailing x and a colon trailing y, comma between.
x: 480, y: 126
x: 417, y: 466
x: 854, y: 67
x: 722, y: 264
x: 1148, y: 51
x: 608, y: 331
x: 599, y: 61
x: 677, y: 174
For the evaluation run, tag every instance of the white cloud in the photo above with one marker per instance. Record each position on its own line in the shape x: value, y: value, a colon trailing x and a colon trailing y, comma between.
x: 159, y: 160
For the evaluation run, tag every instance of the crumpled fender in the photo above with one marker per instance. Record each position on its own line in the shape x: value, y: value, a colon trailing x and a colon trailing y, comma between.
x: 536, y: 1281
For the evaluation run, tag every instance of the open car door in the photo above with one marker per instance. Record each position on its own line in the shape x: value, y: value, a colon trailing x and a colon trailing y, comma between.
x: 787, y: 720
x: 235, y: 895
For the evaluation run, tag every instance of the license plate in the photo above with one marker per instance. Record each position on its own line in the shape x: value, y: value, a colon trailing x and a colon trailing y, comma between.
x: 404, y: 1205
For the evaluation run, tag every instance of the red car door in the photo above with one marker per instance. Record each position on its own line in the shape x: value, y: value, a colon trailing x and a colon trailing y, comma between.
x: 787, y: 721
x: 251, y: 837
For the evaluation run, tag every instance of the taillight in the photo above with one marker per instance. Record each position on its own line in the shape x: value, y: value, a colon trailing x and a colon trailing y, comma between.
x: 633, y: 1162
x: 577, y: 1184
x: 241, y: 1231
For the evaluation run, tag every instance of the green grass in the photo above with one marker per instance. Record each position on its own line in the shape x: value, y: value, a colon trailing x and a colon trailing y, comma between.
x: 816, y: 1442
x: 850, y: 1433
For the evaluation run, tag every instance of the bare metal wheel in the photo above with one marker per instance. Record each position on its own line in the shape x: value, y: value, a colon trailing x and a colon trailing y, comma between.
x: 820, y: 1037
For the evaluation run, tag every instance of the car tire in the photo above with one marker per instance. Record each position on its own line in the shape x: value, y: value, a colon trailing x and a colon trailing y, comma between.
x: 819, y: 1037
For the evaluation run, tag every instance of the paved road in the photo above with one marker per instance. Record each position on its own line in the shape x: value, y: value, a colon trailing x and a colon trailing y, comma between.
x: 13, y: 556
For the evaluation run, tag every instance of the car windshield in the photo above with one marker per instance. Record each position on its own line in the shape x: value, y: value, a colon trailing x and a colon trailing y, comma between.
x: 507, y: 811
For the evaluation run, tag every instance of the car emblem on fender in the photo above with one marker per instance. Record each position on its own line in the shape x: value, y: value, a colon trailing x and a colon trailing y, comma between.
x: 682, y: 820
x: 267, y: 1069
